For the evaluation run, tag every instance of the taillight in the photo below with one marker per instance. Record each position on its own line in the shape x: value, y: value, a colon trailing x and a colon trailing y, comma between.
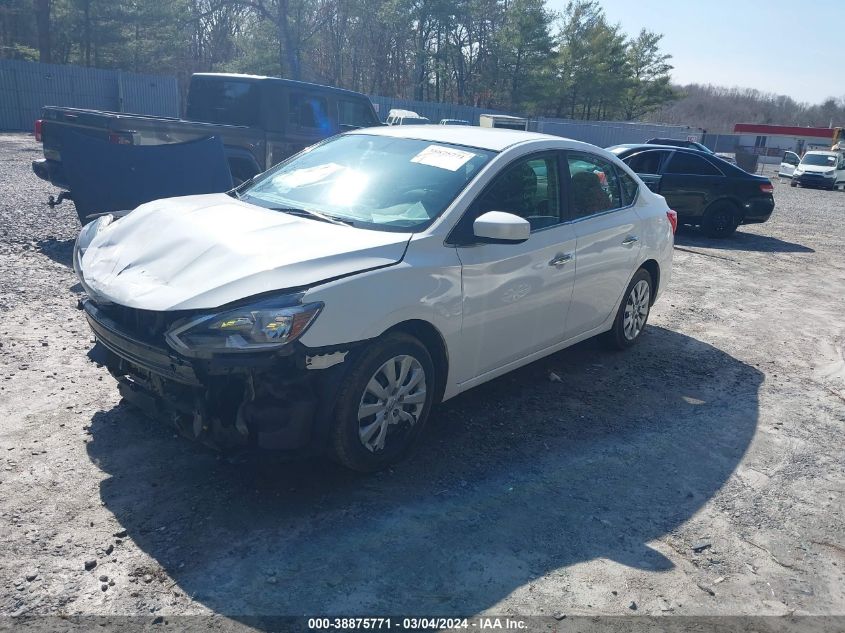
x: 120, y: 138
x: 766, y: 187
x: 673, y: 219
x: 38, y: 124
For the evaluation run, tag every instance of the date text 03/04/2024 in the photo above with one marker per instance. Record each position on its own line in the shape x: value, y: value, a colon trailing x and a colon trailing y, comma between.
x: 416, y: 623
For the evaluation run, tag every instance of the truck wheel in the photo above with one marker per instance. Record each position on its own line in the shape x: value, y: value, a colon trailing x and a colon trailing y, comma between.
x: 383, y: 405
x: 720, y: 220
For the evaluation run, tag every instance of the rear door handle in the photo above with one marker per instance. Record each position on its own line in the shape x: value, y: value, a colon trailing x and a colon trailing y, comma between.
x: 560, y: 259
x: 631, y: 239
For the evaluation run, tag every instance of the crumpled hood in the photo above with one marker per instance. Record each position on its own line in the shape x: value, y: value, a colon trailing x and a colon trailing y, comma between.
x: 209, y: 250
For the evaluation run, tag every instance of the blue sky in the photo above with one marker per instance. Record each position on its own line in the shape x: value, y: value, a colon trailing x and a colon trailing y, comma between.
x: 794, y: 47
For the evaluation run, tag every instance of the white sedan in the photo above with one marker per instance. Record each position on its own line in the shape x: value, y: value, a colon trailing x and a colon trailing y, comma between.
x: 332, y: 302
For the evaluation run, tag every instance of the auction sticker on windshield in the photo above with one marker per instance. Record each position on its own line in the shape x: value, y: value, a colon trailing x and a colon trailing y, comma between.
x: 443, y: 157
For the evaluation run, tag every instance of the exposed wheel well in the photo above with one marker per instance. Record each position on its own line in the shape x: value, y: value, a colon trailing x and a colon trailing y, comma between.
x: 653, y: 268
x: 736, y: 206
x: 429, y: 336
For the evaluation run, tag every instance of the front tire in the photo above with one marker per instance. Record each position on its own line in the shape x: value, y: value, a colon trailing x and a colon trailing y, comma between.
x: 633, y: 312
x: 383, y: 404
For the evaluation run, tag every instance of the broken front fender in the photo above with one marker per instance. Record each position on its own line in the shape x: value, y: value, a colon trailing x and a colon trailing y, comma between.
x: 270, y: 400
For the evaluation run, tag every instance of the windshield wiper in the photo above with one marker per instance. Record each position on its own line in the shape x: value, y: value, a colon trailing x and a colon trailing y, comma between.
x: 308, y: 213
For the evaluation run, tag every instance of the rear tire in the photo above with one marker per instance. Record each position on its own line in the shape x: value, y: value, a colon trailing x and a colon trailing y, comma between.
x: 720, y: 220
x: 633, y: 312
x: 383, y: 405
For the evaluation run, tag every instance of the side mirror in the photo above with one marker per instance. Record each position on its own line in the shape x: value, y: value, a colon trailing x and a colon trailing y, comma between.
x: 502, y: 227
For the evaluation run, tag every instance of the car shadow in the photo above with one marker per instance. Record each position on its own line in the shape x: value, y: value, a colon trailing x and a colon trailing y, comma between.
x: 739, y: 241
x: 516, y: 479
x: 60, y: 251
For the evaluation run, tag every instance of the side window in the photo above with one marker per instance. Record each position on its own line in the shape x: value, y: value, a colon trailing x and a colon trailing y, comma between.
x: 646, y: 162
x: 354, y: 114
x: 529, y: 188
x: 308, y: 111
x: 629, y: 187
x: 229, y: 102
x: 691, y: 165
x: 594, y: 186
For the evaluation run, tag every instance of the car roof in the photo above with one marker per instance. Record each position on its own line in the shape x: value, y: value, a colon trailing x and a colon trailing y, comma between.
x: 292, y: 83
x: 674, y: 148
x: 824, y: 152
x: 493, y: 139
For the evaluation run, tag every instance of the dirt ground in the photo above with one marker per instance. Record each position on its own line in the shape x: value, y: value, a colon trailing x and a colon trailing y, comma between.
x: 699, y: 473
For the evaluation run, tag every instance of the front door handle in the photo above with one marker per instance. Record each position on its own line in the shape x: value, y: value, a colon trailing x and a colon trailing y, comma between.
x: 560, y: 259
x: 631, y: 239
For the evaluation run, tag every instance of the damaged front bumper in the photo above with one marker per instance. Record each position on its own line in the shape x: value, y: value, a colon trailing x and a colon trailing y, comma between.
x: 275, y: 400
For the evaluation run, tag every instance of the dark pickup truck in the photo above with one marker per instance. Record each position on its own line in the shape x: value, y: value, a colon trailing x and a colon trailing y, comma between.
x: 261, y: 121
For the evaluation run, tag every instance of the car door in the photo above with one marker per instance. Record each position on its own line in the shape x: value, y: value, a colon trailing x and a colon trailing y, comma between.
x: 788, y: 164
x: 607, y: 232
x: 647, y: 165
x: 840, y: 173
x: 516, y: 296
x: 690, y: 182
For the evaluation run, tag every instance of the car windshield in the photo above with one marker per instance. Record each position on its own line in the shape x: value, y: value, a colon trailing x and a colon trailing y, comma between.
x: 377, y: 182
x: 824, y: 160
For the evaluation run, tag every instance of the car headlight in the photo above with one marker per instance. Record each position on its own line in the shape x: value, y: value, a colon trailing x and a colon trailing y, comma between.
x: 798, y: 171
x: 86, y: 236
x: 830, y: 174
x: 262, y: 326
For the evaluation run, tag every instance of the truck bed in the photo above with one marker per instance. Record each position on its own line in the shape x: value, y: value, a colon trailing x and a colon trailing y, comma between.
x: 134, y: 129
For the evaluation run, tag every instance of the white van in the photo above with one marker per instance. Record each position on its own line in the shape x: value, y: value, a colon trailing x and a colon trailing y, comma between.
x: 405, y: 117
x: 824, y: 169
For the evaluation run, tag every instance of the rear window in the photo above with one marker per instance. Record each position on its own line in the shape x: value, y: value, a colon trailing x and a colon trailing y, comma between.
x: 309, y: 111
x: 230, y: 102
x: 691, y: 165
x: 593, y: 184
x: 355, y: 114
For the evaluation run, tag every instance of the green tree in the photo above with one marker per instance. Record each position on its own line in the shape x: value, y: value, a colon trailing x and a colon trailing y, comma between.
x: 650, y: 85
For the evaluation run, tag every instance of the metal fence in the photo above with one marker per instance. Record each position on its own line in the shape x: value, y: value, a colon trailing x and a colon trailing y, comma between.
x: 435, y: 111
x: 25, y: 87
x: 607, y: 133
x: 724, y: 143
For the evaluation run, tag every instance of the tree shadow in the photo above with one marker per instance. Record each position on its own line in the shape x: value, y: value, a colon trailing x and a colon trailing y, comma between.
x: 516, y: 479
x: 60, y: 251
x: 739, y: 241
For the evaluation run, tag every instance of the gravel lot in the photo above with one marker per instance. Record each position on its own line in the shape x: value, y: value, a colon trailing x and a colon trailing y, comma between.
x: 699, y: 473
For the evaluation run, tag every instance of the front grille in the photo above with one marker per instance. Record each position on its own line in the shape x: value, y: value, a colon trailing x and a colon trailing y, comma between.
x: 148, y: 325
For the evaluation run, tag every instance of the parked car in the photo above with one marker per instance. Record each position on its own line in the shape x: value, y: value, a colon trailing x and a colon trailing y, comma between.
x: 405, y: 117
x: 788, y: 164
x: 673, y: 142
x: 332, y: 302
x: 824, y: 169
x: 454, y: 122
x: 703, y: 189
x: 261, y: 120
